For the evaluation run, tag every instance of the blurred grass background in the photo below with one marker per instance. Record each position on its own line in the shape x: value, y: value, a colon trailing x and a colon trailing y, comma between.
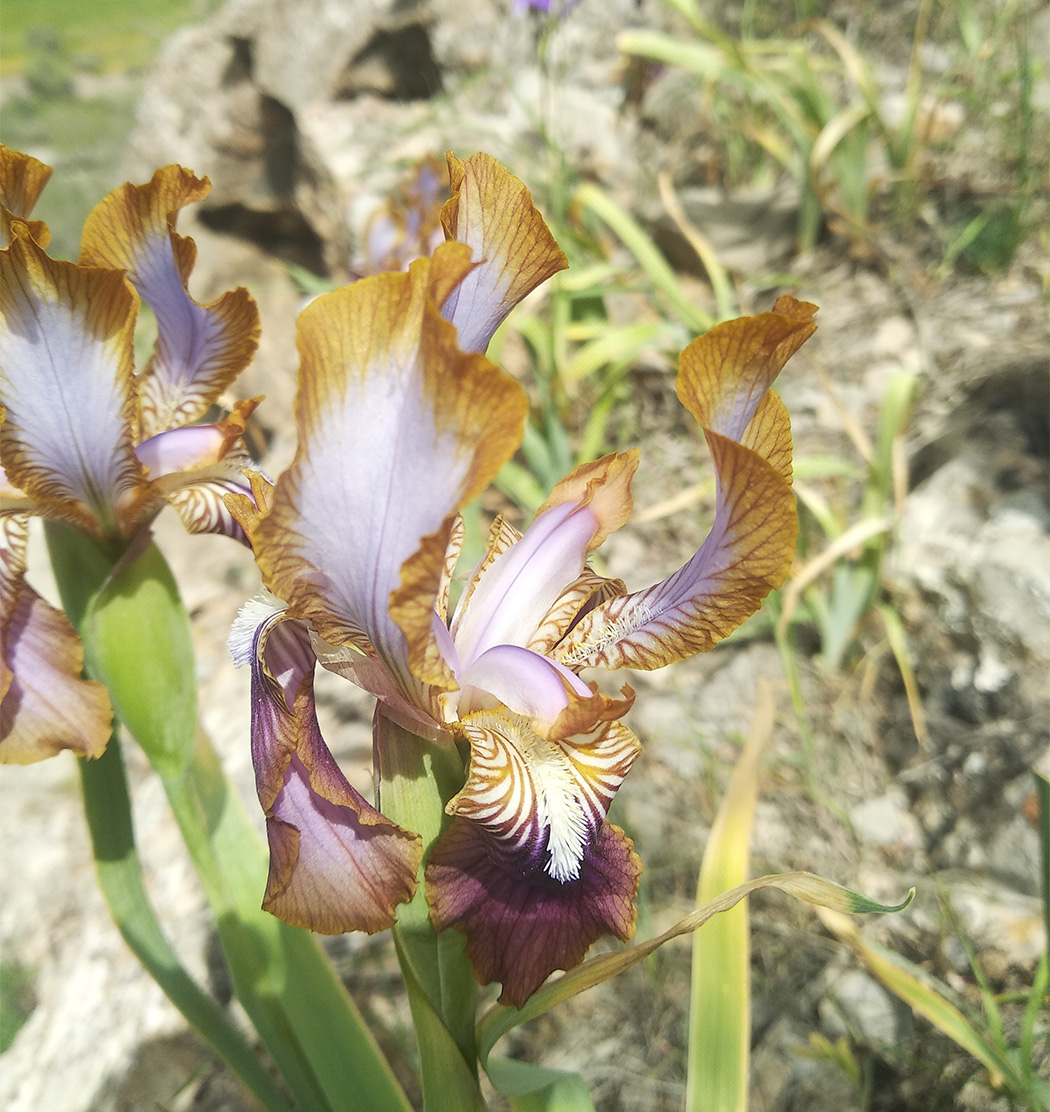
x: 70, y: 77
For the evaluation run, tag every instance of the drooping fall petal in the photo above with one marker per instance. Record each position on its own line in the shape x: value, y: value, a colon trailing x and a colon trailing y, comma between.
x: 723, y: 379
x: 724, y: 374
x: 492, y: 212
x: 520, y: 929
x: 539, y: 796
x: 66, y: 383
x: 336, y: 863
x: 46, y: 706
x: 200, y: 348
x: 398, y: 428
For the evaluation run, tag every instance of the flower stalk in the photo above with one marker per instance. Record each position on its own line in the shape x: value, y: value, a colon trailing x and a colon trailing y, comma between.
x: 107, y: 807
x: 302, y: 1013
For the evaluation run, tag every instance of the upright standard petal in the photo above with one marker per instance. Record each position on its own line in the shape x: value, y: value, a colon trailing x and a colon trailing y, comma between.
x: 336, y: 863
x: 45, y: 705
x: 520, y: 577
x: 22, y: 180
x: 200, y: 348
x: 66, y: 383
x: 723, y: 380
x: 491, y: 211
x: 397, y: 429
x: 197, y: 467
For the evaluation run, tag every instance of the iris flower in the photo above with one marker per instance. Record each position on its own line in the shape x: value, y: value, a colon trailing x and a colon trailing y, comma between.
x: 401, y: 422
x: 88, y: 441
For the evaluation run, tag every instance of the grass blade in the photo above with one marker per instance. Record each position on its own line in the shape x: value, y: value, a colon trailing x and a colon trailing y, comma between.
x: 807, y: 887
x: 108, y: 810
x: 896, y: 974
x: 638, y: 242
x: 719, y: 1010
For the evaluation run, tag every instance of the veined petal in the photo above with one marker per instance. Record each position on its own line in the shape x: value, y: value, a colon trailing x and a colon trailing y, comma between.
x: 541, y: 798
x: 520, y: 929
x: 45, y: 705
x: 196, y: 467
x: 511, y: 593
x: 422, y: 714
x: 66, y: 383
x: 200, y: 348
x: 724, y: 374
x: 336, y: 863
x: 752, y: 540
x: 249, y: 508
x: 397, y: 429
x: 12, y: 499
x: 605, y: 486
x: 491, y: 211
x: 769, y: 434
x: 501, y: 536
x: 448, y: 568
x: 746, y: 555
x: 582, y: 595
x: 201, y: 506
x: 22, y: 180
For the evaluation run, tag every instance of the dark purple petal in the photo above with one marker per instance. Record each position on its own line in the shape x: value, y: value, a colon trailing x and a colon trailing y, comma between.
x: 520, y: 928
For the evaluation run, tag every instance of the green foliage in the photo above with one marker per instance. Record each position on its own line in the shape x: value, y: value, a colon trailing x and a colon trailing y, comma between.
x: 579, y: 355
x: 139, y: 644
x: 840, y: 1055
x: 1009, y: 1057
x: 114, y: 35
x: 720, y: 997
x: 49, y: 69
x: 848, y: 513
x: 84, y: 138
x: 854, y: 550
x: 17, y: 1000
x: 804, y: 97
x: 50, y: 46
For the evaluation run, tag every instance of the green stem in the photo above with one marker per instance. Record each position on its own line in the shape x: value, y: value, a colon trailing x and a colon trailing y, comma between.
x: 280, y: 974
x: 108, y: 811
x: 449, y: 1080
x: 417, y: 779
x: 302, y: 1012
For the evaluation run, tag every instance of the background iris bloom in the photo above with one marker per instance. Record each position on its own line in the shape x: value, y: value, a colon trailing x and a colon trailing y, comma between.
x: 88, y: 441
x: 401, y: 422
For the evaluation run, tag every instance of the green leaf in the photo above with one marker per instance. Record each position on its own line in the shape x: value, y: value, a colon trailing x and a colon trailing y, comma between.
x: 533, y: 1088
x: 719, y: 1008
x: 450, y: 1081
x: 281, y: 976
x: 138, y: 643
x: 108, y: 811
x: 806, y: 887
x: 417, y: 778
x: 1042, y: 793
x: 316, y: 1036
x: 645, y: 251
x: 616, y: 344
x: 901, y: 978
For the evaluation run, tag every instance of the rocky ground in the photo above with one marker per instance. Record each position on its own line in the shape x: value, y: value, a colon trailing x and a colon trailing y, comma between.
x: 301, y: 126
